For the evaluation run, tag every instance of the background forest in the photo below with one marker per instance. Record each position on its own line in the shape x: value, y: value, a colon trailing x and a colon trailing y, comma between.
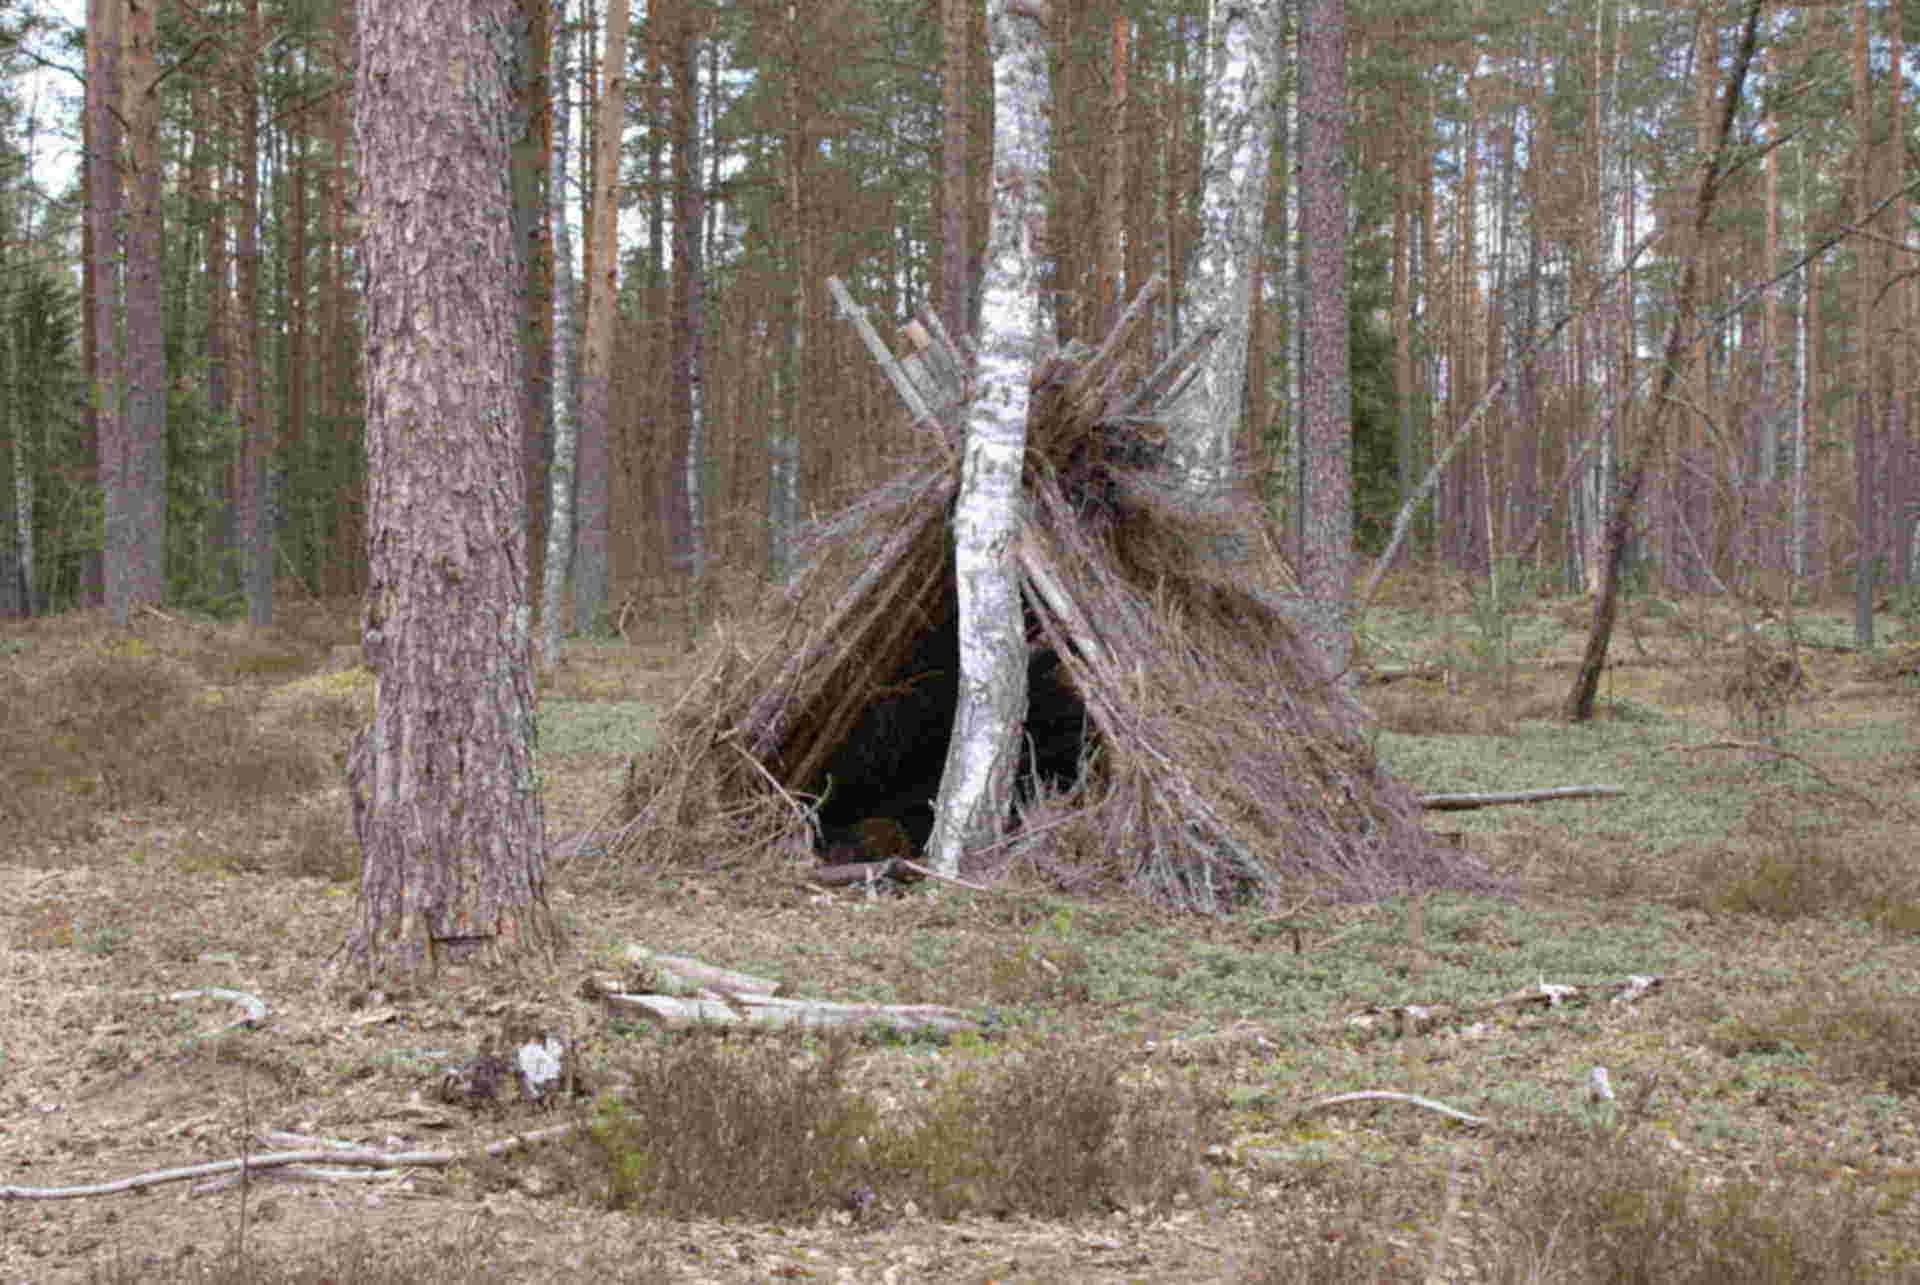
x: 181, y: 298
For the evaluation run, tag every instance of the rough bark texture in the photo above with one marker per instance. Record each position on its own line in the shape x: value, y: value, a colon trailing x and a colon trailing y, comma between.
x: 452, y: 841
x: 1326, y: 525
x: 533, y: 98
x: 1218, y: 283
x: 592, y: 538
x: 560, y: 506
x: 142, y: 509
x: 104, y: 208
x: 976, y: 788
x: 256, y: 433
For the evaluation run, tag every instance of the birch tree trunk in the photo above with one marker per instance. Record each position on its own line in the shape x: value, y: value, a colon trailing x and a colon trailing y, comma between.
x: 1233, y: 200
x: 1327, y: 422
x: 453, y: 846
x: 565, y: 427
x: 592, y: 546
x: 976, y: 789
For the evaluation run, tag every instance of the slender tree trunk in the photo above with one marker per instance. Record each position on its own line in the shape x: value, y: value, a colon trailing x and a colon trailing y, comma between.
x: 1866, y: 452
x: 1680, y: 333
x: 783, y: 451
x: 445, y: 802
x: 302, y: 457
x: 976, y: 789
x: 105, y: 111
x: 690, y: 308
x: 565, y: 436
x: 593, y: 539
x: 1218, y: 287
x: 256, y: 433
x: 1327, y: 520
x: 532, y: 143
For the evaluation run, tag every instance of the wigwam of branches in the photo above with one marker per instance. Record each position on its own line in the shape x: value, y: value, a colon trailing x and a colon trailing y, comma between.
x: 1214, y: 761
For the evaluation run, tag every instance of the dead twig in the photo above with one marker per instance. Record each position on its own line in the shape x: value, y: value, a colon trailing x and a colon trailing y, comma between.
x: 1384, y: 1095
x: 1761, y: 747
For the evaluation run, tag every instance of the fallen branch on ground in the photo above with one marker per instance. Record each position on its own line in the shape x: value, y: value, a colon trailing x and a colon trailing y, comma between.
x: 1383, y: 1095
x: 1464, y: 802
x: 361, y: 1159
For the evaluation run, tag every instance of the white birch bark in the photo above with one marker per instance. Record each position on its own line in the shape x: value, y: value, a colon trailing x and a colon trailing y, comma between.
x: 565, y: 428
x: 976, y: 790
x: 1241, y: 39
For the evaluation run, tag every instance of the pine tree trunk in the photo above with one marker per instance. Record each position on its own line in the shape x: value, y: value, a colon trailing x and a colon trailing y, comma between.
x: 689, y: 309
x: 1327, y: 437
x: 445, y: 803
x: 256, y: 434
x: 533, y: 103
x: 1866, y: 464
x: 593, y: 541
x: 976, y: 789
x: 105, y: 111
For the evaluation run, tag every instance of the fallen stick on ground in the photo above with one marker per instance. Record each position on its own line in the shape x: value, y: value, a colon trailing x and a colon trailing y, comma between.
x: 1383, y: 1095
x: 363, y: 1159
x: 1464, y: 802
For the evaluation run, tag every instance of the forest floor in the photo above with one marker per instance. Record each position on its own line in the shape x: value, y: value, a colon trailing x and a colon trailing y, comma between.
x: 174, y: 820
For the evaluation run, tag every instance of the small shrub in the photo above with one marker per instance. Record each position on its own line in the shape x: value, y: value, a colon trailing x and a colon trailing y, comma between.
x: 1612, y: 1212
x: 1856, y: 1033
x: 1794, y: 866
x: 1760, y: 688
x: 709, y: 1129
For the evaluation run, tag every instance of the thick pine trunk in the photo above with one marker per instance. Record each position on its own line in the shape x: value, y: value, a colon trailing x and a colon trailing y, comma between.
x: 139, y: 512
x: 1327, y: 437
x: 104, y: 207
x: 976, y: 789
x: 445, y: 806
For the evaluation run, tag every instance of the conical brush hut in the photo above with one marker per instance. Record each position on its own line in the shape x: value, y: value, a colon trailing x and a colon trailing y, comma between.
x: 1182, y: 741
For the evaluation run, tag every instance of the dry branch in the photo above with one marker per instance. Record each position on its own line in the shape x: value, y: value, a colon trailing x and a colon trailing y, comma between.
x: 1467, y: 802
x: 1384, y: 1095
x: 362, y: 1159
